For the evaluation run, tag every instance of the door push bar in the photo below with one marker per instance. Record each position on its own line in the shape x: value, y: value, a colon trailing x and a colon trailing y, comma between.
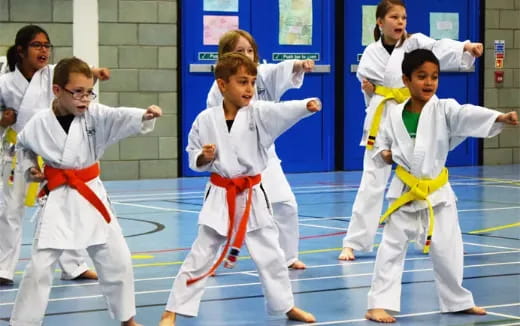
x: 353, y: 68
x: 205, y: 67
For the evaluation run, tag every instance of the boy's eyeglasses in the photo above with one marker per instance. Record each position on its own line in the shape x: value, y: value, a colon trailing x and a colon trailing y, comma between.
x: 79, y: 95
x: 39, y: 45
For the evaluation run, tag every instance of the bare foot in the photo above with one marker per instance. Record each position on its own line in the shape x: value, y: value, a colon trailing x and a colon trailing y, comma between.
x: 298, y: 264
x: 167, y: 319
x: 475, y: 311
x: 5, y: 282
x: 130, y: 322
x: 87, y: 275
x: 347, y: 254
x: 379, y: 315
x: 300, y: 315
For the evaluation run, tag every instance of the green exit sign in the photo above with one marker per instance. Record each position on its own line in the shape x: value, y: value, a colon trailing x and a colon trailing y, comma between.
x: 213, y: 56
x: 295, y: 56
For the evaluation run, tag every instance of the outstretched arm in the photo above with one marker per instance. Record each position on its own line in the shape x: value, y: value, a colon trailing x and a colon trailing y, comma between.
x: 275, y: 118
x: 475, y: 121
x: 303, y: 65
x: 510, y: 118
x: 475, y: 49
x: 153, y: 111
x: 314, y: 105
x: 101, y: 73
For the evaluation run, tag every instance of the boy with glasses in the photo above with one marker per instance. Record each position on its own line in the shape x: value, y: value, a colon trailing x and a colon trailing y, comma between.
x: 26, y: 88
x: 71, y: 138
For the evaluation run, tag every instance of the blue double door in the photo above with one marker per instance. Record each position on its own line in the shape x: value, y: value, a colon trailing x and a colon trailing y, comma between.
x: 463, y: 86
x: 328, y: 140
x: 309, y: 145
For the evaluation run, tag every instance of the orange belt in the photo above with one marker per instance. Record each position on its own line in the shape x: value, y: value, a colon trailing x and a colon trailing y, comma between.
x: 233, y: 187
x: 76, y: 179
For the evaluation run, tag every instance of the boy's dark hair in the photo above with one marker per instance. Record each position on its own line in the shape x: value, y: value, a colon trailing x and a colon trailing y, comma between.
x: 229, y: 40
x: 23, y: 38
x: 229, y: 64
x: 415, y: 59
x: 67, y: 66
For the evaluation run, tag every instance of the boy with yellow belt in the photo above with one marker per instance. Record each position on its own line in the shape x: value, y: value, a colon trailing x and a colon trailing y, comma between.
x: 417, y: 135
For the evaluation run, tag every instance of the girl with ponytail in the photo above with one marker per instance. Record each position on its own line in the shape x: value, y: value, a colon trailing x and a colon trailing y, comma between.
x: 379, y: 72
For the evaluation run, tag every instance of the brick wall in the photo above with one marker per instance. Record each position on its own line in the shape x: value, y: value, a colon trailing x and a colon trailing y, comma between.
x: 138, y: 42
x: 55, y: 16
x: 502, y: 22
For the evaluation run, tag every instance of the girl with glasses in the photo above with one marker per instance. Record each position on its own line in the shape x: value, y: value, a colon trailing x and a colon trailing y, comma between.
x: 25, y: 89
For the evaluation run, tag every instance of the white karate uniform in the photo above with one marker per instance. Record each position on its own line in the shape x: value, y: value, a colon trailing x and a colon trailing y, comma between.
x: 273, y: 80
x: 443, y: 124
x: 17, y: 93
x: 242, y: 151
x: 381, y: 68
x: 67, y: 221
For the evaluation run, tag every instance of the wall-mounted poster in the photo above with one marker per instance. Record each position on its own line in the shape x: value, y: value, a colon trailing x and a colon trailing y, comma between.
x: 221, y: 5
x: 369, y: 22
x: 444, y: 25
x: 295, y: 22
x: 215, y: 26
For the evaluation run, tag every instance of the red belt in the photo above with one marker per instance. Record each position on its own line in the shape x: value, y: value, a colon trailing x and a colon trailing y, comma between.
x: 233, y: 187
x: 76, y: 179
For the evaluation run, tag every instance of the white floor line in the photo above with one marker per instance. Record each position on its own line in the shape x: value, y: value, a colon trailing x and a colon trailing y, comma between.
x: 503, y: 315
x: 460, y: 211
x: 254, y: 272
x: 323, y: 227
x: 503, y: 305
x: 159, y: 195
x: 406, y: 271
x: 126, y: 203
x: 466, y: 243
x: 336, y: 322
x: 487, y: 209
x: 488, y: 246
x: 343, y: 276
x: 157, y: 208
x: 320, y: 219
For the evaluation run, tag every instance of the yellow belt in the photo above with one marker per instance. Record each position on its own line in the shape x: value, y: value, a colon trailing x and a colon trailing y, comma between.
x: 420, y: 189
x: 32, y: 189
x: 397, y: 94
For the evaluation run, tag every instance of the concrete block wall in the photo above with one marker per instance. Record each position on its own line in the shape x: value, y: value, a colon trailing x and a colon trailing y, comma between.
x: 55, y: 16
x: 502, y: 22
x: 138, y: 42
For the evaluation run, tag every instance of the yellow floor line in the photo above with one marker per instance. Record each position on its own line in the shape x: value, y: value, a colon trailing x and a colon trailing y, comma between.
x: 507, y: 181
x: 142, y: 256
x: 495, y: 228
